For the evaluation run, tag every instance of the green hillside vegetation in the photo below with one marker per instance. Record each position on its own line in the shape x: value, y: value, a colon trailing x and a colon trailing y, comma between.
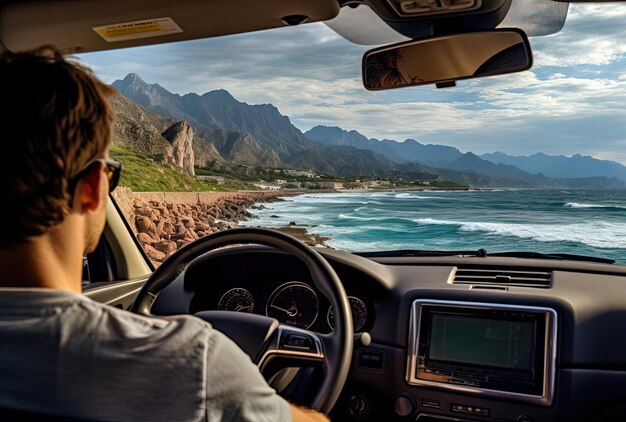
x: 447, y: 184
x: 230, y: 173
x: 142, y: 174
x: 252, y: 174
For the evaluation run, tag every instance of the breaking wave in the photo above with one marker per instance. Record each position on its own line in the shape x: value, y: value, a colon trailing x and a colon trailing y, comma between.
x: 413, y: 196
x: 583, y: 223
x: 354, y: 217
x: 579, y: 205
x: 597, y: 234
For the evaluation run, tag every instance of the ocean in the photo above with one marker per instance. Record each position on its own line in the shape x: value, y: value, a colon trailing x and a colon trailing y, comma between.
x: 583, y: 222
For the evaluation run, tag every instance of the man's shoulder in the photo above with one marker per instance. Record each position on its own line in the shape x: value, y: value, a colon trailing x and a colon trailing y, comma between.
x: 172, y: 330
x: 76, y: 313
x: 177, y: 364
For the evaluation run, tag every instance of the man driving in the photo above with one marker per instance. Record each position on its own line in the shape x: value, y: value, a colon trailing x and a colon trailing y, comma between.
x: 62, y: 354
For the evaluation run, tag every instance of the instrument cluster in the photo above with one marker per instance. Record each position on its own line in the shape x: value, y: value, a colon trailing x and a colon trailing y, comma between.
x: 294, y: 303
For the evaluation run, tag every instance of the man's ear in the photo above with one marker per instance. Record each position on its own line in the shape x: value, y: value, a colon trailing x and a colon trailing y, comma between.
x: 88, y: 195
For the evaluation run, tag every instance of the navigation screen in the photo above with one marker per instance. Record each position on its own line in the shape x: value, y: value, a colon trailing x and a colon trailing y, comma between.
x: 481, y: 341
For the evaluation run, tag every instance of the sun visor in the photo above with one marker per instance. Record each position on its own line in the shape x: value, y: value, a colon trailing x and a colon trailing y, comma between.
x: 93, y: 25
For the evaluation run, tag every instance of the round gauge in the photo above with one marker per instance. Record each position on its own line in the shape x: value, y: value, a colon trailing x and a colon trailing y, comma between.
x: 238, y: 300
x: 359, y: 313
x: 293, y: 303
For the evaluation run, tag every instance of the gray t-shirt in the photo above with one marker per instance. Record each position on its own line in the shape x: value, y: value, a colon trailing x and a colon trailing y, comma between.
x: 62, y: 353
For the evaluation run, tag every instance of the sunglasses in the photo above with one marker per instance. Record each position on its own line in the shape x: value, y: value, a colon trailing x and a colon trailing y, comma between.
x: 113, y: 169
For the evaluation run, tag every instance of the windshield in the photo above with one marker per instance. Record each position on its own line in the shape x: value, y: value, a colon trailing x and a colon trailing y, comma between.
x: 275, y: 129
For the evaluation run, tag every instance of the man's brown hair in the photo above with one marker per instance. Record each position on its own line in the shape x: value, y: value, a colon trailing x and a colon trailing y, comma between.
x: 54, y: 120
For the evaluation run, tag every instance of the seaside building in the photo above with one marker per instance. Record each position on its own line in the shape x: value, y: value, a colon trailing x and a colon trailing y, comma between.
x: 379, y: 183
x: 325, y: 185
x: 218, y: 179
x: 267, y: 186
x: 301, y: 173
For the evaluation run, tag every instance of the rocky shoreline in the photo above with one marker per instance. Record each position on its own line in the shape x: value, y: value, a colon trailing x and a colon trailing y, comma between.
x: 164, y: 222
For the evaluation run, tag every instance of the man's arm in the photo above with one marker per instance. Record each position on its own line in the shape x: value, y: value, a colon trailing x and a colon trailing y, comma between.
x: 236, y: 390
x: 301, y: 414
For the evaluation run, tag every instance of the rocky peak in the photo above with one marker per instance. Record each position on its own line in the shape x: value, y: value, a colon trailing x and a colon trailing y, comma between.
x: 220, y: 95
x: 132, y: 82
x: 133, y: 77
x: 180, y: 136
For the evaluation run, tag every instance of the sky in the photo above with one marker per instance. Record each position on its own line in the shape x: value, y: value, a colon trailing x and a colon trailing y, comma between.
x: 573, y: 100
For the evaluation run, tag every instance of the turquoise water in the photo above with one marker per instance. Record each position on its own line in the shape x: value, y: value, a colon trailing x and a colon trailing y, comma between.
x: 570, y: 221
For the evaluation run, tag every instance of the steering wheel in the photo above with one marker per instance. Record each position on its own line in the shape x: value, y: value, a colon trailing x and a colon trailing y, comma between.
x: 271, y: 345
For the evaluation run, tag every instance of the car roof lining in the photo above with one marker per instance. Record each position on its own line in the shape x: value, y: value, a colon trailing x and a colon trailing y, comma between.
x: 25, y: 25
x: 68, y: 24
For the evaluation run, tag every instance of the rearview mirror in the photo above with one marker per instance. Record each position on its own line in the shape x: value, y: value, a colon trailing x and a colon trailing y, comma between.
x: 446, y: 59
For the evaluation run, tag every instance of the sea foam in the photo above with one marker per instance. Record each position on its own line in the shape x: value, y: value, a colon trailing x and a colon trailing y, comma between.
x: 413, y: 196
x: 597, y: 234
x: 579, y: 205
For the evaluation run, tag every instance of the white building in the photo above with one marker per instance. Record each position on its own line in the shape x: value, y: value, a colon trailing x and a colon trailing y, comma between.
x: 301, y: 173
x: 218, y: 179
x: 267, y: 186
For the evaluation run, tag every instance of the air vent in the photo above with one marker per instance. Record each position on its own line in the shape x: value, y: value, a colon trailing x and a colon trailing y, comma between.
x: 505, y: 276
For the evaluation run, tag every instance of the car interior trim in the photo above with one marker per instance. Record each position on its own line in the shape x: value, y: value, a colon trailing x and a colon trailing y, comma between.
x: 129, y: 259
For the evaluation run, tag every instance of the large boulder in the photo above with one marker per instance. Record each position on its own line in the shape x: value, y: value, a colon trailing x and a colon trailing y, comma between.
x: 145, y: 239
x: 166, y: 246
x: 153, y: 254
x: 145, y: 211
x: 145, y: 225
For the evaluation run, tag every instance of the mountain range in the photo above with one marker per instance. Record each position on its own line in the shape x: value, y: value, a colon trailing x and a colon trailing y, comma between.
x: 576, y: 166
x: 258, y: 134
x: 227, y: 130
x: 537, y: 167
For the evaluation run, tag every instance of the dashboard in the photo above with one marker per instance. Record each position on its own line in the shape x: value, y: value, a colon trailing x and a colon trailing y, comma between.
x: 294, y: 303
x: 279, y: 288
x: 452, y: 338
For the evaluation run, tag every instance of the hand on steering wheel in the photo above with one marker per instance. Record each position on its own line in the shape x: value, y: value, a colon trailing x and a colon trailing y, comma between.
x: 272, y: 345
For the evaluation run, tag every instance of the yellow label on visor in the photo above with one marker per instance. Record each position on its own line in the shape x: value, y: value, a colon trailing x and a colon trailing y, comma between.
x: 138, y: 29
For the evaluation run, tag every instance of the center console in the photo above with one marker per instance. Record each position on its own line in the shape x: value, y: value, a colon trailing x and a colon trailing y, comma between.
x: 486, y: 349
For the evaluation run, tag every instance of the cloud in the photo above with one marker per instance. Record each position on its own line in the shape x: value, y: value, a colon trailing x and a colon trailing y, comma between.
x: 536, y: 17
x: 573, y: 100
x: 593, y: 35
x: 194, y: 66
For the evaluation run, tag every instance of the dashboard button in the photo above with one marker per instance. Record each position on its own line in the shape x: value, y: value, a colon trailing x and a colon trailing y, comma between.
x: 298, y: 341
x: 370, y: 359
x: 468, y: 409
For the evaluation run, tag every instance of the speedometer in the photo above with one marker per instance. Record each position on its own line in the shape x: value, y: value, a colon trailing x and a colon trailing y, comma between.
x: 293, y: 303
x: 359, y: 313
x: 238, y: 300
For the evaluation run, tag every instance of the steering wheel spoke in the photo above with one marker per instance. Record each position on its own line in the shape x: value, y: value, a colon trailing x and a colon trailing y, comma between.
x: 291, y: 347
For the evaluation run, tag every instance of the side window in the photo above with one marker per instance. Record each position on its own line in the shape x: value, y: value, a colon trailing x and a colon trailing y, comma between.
x: 99, y: 266
x: 86, y: 276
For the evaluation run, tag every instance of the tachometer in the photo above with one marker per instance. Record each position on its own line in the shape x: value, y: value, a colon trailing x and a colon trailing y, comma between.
x: 237, y: 299
x: 359, y: 313
x: 293, y: 303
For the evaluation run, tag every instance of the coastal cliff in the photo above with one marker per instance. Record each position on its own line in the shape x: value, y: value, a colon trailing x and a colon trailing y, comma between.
x: 180, y: 137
